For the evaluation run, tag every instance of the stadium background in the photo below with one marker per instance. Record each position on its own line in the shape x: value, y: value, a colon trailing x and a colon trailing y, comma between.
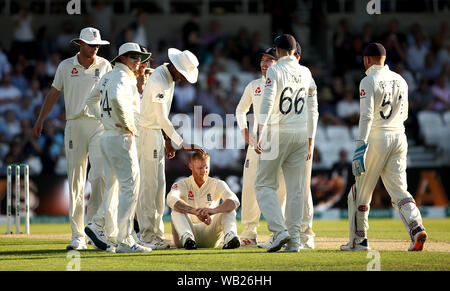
x: 227, y: 37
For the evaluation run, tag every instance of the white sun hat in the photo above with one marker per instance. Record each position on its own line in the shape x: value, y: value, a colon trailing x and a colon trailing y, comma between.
x: 90, y: 36
x: 131, y: 47
x: 185, y: 62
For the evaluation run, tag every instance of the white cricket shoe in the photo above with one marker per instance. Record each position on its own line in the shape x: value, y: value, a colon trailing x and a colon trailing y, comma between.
x: 292, y: 246
x: 111, y: 248
x: 278, y: 241
x: 266, y: 244
x: 419, y: 238
x: 136, y: 248
x: 157, y: 244
x: 96, y: 236
x: 362, y: 246
x: 77, y: 244
x: 249, y: 243
x: 307, y: 242
x: 231, y: 241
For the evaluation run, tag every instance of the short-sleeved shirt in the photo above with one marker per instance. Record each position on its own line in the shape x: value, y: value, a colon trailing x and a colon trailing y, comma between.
x: 206, y: 196
x: 77, y: 82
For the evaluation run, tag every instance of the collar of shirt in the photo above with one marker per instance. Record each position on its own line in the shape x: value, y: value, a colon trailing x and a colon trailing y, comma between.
x: 374, y: 68
x: 77, y: 63
x: 287, y: 59
x: 168, y: 75
x: 195, y: 184
x: 125, y: 68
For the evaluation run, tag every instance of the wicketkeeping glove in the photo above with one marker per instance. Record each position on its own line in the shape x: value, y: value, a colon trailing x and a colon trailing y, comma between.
x: 359, y: 157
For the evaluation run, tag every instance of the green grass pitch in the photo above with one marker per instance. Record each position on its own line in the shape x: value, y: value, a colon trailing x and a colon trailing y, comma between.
x: 45, y: 250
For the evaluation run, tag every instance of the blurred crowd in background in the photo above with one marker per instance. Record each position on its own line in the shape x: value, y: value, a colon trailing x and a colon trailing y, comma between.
x: 27, y: 69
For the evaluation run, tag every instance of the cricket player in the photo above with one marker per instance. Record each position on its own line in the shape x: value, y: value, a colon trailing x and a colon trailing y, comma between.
x: 288, y: 120
x: 76, y: 77
x: 250, y: 212
x: 306, y: 232
x: 143, y: 72
x: 119, y: 111
x: 381, y: 150
x: 155, y: 142
x: 198, y: 217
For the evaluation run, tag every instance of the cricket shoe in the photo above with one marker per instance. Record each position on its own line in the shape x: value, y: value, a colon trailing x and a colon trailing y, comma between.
x: 77, y: 244
x: 419, y: 238
x: 362, y: 246
x: 278, y: 241
x: 292, y: 246
x: 188, y: 241
x: 307, y: 246
x: 96, y: 235
x: 307, y: 242
x: 158, y: 244
x: 111, y: 249
x: 136, y: 248
x: 249, y: 243
x: 231, y: 241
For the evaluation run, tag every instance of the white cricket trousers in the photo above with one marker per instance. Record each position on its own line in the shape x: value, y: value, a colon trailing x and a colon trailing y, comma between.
x: 250, y: 212
x: 206, y: 236
x: 122, y: 174
x: 82, y: 142
x: 291, y: 159
x: 386, y: 157
x: 151, y: 202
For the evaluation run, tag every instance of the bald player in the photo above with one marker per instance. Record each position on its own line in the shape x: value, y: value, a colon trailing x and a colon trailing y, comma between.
x: 381, y: 150
x: 76, y: 77
x: 288, y: 120
x: 198, y: 217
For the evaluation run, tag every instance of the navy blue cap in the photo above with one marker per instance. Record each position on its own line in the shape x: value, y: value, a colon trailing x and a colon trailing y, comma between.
x: 285, y: 41
x: 374, y: 49
x: 271, y: 52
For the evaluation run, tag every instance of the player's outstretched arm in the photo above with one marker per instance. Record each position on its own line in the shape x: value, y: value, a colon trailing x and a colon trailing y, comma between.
x: 49, y: 102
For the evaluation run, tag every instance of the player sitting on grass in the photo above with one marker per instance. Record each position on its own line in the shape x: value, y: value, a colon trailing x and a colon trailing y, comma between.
x: 198, y: 217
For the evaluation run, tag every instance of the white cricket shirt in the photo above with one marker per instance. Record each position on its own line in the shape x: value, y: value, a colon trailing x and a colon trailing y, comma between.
x: 383, y: 101
x: 77, y: 82
x: 115, y: 101
x: 252, y: 95
x: 156, y: 102
x: 206, y: 196
x: 289, y: 98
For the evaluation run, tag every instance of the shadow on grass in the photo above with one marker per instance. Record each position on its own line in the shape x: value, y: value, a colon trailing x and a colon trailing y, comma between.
x: 35, y: 243
x: 21, y: 255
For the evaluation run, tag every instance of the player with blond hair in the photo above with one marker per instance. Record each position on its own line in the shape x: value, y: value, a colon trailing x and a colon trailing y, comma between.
x: 198, y: 217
